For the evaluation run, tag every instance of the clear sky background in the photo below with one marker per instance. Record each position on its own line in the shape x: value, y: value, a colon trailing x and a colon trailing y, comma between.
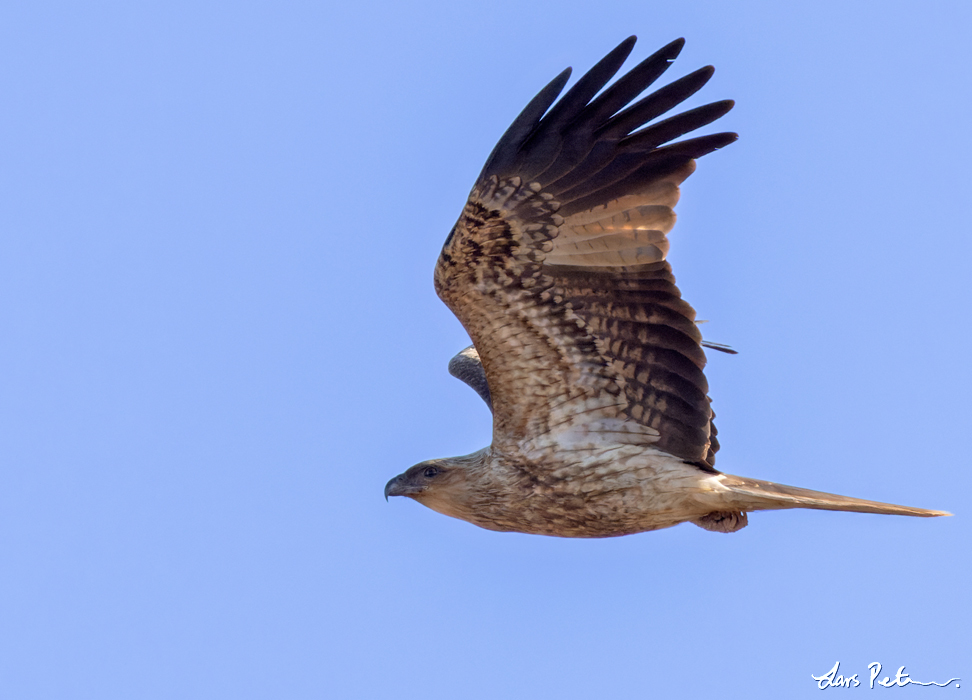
x: 219, y: 339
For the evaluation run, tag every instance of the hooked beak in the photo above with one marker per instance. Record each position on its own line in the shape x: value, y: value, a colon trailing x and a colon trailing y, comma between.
x: 395, y: 487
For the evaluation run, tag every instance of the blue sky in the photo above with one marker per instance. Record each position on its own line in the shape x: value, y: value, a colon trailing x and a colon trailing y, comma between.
x: 219, y: 339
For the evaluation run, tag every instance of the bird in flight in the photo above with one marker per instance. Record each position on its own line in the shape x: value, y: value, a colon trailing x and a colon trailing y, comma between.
x: 583, y: 348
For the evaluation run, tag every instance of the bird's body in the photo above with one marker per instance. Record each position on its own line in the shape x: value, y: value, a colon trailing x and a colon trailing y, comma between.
x: 583, y: 347
x: 603, y: 490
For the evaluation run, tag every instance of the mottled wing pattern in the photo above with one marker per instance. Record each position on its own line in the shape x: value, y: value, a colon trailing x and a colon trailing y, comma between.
x: 557, y: 269
x: 648, y: 334
x: 467, y: 366
x: 542, y: 365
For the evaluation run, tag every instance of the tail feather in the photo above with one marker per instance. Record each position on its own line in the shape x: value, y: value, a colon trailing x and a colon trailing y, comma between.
x: 753, y: 494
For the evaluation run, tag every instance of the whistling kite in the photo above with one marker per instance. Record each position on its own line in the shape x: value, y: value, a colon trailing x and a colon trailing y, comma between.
x: 590, y: 359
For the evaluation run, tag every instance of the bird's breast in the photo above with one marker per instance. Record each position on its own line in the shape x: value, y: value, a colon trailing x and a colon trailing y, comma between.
x: 595, y: 492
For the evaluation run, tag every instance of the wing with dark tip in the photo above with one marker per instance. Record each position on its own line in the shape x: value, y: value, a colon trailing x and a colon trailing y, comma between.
x: 557, y: 267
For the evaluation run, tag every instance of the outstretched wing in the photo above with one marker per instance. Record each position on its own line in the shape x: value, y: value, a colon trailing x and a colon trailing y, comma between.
x: 557, y: 269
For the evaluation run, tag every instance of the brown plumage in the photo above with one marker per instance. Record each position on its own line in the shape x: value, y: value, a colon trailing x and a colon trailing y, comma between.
x: 583, y: 347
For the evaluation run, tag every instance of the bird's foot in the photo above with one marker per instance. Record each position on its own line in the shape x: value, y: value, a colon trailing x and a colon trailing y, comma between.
x: 723, y: 521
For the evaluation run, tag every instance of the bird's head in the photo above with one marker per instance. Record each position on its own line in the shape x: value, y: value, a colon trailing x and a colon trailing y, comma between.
x: 420, y: 480
x: 444, y: 485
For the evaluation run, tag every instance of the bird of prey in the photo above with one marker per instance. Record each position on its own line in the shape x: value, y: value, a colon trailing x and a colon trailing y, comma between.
x: 583, y: 348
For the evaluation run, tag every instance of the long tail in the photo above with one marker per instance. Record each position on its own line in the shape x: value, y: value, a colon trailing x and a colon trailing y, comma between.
x: 753, y: 494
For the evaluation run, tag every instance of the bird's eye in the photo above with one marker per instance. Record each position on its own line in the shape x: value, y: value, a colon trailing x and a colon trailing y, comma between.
x: 430, y: 472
